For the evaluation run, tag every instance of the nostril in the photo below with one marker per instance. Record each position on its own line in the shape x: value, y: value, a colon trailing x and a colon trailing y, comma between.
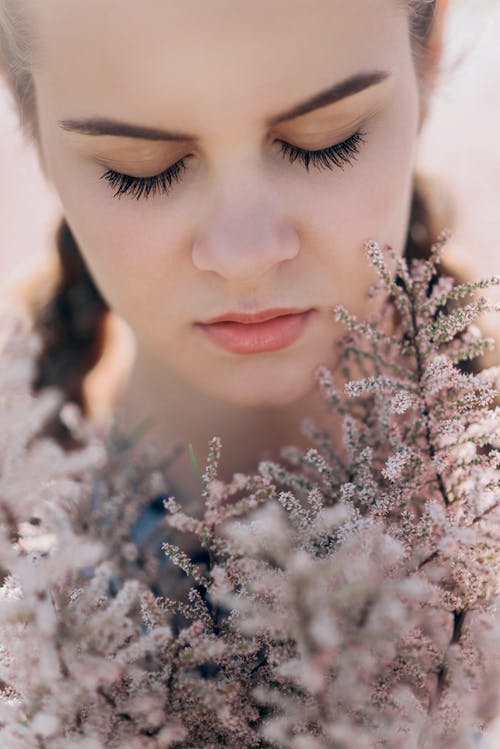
x: 247, y: 254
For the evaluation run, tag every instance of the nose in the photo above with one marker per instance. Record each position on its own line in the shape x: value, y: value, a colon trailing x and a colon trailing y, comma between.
x: 244, y: 235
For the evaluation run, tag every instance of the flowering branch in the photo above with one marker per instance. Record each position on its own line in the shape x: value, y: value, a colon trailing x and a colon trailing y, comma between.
x: 341, y: 598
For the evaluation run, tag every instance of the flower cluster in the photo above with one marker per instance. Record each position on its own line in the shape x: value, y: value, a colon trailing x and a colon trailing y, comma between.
x: 342, y: 598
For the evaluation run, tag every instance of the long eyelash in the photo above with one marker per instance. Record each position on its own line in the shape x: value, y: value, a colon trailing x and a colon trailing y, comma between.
x: 138, y: 187
x: 336, y: 156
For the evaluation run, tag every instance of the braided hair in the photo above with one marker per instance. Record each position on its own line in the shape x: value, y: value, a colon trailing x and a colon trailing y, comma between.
x: 71, y: 323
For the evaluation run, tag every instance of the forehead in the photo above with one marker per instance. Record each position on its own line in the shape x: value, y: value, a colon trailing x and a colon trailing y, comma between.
x: 194, y: 51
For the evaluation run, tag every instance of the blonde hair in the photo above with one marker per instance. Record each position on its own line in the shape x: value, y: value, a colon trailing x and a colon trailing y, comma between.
x: 16, y: 61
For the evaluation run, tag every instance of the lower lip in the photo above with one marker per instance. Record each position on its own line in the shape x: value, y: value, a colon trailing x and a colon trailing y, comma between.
x: 257, y: 338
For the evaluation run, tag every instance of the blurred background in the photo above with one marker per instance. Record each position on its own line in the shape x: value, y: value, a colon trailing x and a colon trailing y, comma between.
x: 460, y: 144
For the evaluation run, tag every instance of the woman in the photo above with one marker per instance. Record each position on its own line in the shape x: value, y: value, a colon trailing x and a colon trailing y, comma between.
x: 220, y: 167
x: 219, y: 160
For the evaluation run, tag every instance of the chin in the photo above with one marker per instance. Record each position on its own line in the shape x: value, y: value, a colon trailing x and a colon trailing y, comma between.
x: 271, y: 387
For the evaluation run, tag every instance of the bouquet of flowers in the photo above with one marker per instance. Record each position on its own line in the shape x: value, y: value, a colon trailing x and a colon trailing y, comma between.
x: 343, y: 598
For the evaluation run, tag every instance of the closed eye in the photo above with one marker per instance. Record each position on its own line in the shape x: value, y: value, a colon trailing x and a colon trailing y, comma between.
x: 337, y: 156
x: 333, y: 157
x: 143, y: 187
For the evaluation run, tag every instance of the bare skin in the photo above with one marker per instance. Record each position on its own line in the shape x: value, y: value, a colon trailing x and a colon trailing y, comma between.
x: 244, y: 228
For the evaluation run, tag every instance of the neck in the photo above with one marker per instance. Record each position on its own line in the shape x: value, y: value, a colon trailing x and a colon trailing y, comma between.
x: 176, y: 413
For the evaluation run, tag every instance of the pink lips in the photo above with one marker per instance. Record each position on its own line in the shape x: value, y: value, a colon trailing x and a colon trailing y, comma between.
x: 270, y: 330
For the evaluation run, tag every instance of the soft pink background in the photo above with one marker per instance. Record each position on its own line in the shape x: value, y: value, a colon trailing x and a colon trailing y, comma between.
x: 460, y: 143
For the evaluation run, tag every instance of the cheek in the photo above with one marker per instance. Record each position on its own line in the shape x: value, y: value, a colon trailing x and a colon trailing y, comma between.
x: 134, y: 250
x: 341, y: 210
x: 369, y: 199
x: 139, y: 265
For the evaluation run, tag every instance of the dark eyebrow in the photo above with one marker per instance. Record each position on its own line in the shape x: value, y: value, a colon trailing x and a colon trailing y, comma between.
x: 102, y: 126
x: 353, y: 85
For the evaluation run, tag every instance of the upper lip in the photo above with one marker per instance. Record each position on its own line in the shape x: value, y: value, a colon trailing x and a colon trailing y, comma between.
x: 254, y: 317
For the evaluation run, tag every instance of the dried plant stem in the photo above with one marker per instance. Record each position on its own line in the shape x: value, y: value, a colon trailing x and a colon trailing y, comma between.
x: 425, y: 411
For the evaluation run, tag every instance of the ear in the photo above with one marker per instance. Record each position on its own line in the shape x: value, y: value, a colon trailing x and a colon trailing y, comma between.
x: 429, y: 63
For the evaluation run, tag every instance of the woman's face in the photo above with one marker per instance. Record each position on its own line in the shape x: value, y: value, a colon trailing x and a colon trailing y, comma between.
x: 245, y: 227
